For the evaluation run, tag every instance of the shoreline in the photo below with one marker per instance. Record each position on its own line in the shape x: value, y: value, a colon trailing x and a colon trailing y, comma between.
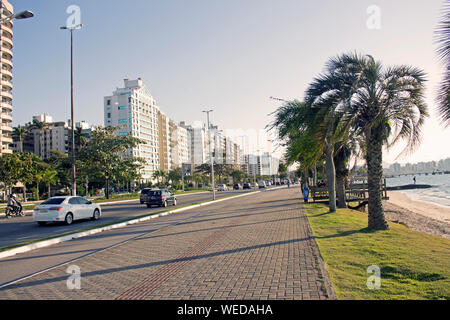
x: 418, y: 215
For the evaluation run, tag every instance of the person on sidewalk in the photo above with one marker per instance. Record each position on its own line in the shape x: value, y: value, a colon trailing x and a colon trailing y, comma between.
x: 305, y: 193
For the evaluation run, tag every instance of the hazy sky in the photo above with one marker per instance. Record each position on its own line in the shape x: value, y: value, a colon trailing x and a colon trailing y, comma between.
x: 231, y: 55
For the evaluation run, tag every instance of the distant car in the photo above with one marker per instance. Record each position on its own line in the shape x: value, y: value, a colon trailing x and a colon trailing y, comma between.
x: 262, y: 185
x: 222, y: 187
x: 255, y: 185
x: 237, y: 186
x: 66, y: 209
x: 161, y: 198
x: 247, y: 186
x: 144, y: 194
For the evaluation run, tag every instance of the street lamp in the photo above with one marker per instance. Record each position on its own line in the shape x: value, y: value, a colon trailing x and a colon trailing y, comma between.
x: 211, y: 154
x: 71, y: 29
x: 21, y: 15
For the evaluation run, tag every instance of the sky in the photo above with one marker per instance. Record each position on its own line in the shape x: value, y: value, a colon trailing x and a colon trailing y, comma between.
x: 226, y: 55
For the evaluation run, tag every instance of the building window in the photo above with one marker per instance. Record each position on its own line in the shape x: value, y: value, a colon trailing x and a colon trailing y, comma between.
x: 108, y: 103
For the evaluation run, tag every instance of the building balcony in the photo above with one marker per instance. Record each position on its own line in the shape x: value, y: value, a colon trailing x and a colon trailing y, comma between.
x: 7, y: 74
x: 8, y: 41
x: 8, y: 63
x: 8, y: 52
x: 6, y: 117
x: 8, y: 29
x: 6, y: 128
x: 6, y: 94
x: 7, y: 140
x: 6, y: 85
x: 7, y: 33
x: 6, y: 107
x: 6, y: 151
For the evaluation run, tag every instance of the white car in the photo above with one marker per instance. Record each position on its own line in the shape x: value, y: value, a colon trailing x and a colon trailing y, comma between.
x: 66, y: 209
x: 261, y: 184
x: 222, y: 187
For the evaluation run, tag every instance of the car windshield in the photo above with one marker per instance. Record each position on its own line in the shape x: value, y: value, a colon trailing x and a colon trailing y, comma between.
x: 54, y: 201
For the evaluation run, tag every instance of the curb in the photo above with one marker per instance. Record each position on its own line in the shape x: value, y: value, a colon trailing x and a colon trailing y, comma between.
x: 47, y: 243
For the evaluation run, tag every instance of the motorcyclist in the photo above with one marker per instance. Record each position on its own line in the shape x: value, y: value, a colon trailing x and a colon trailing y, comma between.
x: 14, y: 203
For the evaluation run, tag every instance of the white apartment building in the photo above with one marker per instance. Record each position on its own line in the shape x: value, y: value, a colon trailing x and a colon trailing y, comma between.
x: 133, y: 110
x: 197, y: 142
x: 6, y: 97
x: 179, y: 145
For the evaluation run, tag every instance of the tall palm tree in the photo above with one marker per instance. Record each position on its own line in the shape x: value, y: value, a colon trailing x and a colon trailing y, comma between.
x: 50, y: 177
x: 20, y: 133
x: 384, y: 106
x: 443, y: 39
x: 39, y: 126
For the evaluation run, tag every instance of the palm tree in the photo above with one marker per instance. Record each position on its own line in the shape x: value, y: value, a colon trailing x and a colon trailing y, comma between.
x: 20, y: 133
x: 443, y: 39
x: 50, y: 177
x: 39, y: 126
x: 382, y: 105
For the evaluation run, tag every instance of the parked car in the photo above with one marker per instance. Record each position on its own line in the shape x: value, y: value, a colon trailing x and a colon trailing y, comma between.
x: 247, y: 186
x: 66, y: 209
x: 262, y: 185
x: 161, y: 198
x: 237, y: 186
x: 222, y: 187
x: 143, y: 196
x: 255, y: 185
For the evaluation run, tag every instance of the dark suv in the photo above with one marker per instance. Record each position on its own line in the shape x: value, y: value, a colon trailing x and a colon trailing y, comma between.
x: 143, y: 196
x: 161, y: 198
x: 247, y: 186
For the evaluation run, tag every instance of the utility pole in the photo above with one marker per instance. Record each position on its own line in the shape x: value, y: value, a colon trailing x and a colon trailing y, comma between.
x: 74, y: 183
x: 211, y: 155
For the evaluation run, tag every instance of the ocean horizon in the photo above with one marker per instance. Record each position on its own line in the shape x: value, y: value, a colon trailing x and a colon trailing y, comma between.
x: 438, y: 194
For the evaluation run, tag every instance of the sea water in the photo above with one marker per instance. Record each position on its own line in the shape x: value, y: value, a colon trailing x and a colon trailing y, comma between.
x: 439, y: 194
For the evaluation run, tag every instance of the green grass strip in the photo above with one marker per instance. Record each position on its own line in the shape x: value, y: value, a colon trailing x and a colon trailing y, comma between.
x: 413, y: 265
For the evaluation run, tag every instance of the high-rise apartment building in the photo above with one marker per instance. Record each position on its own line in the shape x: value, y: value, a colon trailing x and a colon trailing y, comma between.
x: 179, y: 141
x: 133, y: 110
x: 6, y: 45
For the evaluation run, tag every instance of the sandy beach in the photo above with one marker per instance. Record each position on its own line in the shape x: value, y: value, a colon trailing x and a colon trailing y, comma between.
x: 417, y: 215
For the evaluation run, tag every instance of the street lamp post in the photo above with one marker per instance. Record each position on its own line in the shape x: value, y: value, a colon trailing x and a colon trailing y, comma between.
x: 71, y: 29
x: 211, y: 155
x: 21, y: 15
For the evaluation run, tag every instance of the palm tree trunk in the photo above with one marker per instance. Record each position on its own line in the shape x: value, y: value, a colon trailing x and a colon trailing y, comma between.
x: 37, y: 191
x: 107, y: 188
x: 49, y: 191
x: 374, y: 159
x: 331, y: 177
x: 340, y: 191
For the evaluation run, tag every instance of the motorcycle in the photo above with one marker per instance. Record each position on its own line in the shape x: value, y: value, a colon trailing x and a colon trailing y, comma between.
x: 14, y: 211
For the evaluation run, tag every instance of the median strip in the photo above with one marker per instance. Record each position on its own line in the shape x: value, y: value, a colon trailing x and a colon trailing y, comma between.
x: 37, y: 244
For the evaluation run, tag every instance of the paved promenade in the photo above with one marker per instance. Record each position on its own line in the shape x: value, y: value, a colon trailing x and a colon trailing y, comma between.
x: 256, y: 247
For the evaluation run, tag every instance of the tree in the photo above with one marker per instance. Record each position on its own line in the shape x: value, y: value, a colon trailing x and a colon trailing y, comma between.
x: 384, y: 106
x: 50, y: 177
x: 238, y: 175
x: 443, y: 40
x: 159, y: 175
x: 20, y: 133
x: 104, y: 152
x: 10, y: 170
x: 175, y: 175
x: 39, y: 126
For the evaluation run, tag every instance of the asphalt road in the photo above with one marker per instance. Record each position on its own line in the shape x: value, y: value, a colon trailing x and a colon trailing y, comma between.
x: 23, y: 229
x: 32, y: 262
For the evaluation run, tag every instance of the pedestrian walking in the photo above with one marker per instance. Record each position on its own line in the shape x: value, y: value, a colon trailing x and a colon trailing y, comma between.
x: 305, y: 193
